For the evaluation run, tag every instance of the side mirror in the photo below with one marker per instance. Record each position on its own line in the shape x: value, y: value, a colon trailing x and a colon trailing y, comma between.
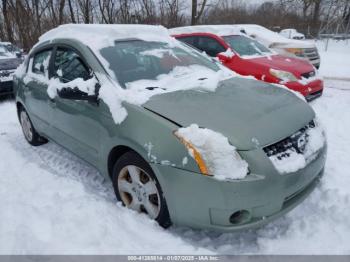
x: 18, y: 54
x: 225, y: 57
x: 76, y: 94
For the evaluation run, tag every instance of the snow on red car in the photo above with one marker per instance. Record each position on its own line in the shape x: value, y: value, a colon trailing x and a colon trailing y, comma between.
x: 247, y: 56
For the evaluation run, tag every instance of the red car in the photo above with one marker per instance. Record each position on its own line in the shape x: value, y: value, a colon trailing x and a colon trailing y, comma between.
x: 246, y: 56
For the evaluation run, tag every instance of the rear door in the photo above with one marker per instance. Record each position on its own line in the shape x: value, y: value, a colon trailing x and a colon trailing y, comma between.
x: 76, y: 122
x: 37, y: 100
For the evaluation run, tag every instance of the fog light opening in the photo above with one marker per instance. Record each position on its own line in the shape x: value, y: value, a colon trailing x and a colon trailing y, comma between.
x: 239, y: 217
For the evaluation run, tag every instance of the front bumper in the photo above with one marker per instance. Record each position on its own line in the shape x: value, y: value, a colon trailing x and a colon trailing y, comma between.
x: 202, y: 202
x: 311, y: 90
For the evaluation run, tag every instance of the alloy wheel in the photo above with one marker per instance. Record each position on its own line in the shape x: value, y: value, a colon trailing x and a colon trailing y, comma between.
x: 26, y: 126
x: 138, y: 191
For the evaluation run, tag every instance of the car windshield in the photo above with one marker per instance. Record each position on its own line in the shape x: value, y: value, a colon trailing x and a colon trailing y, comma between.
x: 137, y: 60
x: 246, y: 46
x: 12, y: 48
x: 3, y: 51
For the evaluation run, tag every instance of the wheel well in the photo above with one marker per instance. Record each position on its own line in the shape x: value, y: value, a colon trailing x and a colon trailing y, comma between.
x: 114, y: 155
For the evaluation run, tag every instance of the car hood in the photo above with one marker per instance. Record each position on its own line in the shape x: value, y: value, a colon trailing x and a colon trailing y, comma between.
x: 290, y: 43
x: 245, y: 111
x: 9, y: 63
x: 290, y: 64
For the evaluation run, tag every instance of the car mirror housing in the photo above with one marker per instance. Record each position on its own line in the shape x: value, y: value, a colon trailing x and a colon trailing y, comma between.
x: 76, y: 94
x: 223, y: 58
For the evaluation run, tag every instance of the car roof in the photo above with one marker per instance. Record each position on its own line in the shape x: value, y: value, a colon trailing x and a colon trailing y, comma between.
x: 101, y: 35
x: 221, y: 30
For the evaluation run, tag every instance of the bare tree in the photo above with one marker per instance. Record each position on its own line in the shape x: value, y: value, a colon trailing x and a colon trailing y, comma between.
x: 8, y: 28
x: 196, y: 15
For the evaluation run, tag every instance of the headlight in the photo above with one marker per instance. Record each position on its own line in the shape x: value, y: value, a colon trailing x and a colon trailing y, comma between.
x: 295, y: 51
x: 195, y: 154
x: 213, y: 153
x: 283, y: 75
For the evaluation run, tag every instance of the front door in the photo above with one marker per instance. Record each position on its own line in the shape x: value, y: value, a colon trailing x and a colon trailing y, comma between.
x: 76, y: 122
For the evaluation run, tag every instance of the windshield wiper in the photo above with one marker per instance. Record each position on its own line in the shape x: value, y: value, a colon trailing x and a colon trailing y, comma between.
x: 154, y: 87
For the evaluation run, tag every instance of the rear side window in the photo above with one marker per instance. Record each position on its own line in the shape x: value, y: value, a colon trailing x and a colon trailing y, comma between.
x: 41, y: 62
x: 209, y: 45
x: 68, y: 65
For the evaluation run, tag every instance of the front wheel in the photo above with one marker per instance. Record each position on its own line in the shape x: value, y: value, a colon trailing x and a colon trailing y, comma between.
x: 138, y: 188
x: 28, y: 129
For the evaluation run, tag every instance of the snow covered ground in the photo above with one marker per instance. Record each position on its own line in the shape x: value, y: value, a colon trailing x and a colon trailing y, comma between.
x: 53, y: 203
x: 335, y: 61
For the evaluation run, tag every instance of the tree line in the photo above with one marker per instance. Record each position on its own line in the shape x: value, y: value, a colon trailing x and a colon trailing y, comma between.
x: 23, y: 21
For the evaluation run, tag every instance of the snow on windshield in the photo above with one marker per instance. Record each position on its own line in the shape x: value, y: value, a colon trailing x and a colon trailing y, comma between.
x: 4, y: 52
x: 218, y: 154
x: 247, y: 47
x: 150, y: 58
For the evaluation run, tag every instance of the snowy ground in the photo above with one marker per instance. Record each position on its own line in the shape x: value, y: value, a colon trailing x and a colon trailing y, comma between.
x: 52, y: 202
x: 335, y: 61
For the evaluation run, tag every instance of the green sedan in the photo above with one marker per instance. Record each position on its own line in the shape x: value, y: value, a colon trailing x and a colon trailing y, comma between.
x: 182, y: 139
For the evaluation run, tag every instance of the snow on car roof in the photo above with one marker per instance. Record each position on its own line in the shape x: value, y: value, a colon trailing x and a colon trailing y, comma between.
x: 101, y: 35
x: 221, y: 30
x: 268, y: 37
x: 262, y: 33
x: 97, y: 37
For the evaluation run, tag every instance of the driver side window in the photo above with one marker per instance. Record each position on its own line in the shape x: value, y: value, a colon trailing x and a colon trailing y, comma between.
x: 210, y: 45
x: 68, y: 66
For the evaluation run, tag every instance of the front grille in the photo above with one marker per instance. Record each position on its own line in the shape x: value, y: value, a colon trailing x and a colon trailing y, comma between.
x: 311, y: 54
x: 294, y: 143
x: 309, y: 74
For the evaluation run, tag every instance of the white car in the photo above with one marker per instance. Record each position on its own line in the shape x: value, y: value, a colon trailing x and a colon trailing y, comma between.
x: 292, y: 34
x: 282, y: 45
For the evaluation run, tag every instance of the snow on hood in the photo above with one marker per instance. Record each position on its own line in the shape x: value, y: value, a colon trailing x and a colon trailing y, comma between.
x: 5, y: 54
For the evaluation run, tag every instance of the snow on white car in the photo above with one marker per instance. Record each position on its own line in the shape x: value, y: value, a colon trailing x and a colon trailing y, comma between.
x: 282, y: 45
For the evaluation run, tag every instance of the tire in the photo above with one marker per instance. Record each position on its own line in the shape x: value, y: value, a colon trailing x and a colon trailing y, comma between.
x: 28, y: 129
x: 136, y: 186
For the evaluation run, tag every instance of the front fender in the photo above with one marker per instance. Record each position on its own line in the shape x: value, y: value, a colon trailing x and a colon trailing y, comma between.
x: 150, y: 135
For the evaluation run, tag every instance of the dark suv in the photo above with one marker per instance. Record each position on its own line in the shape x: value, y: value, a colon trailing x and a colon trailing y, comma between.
x: 9, y: 61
